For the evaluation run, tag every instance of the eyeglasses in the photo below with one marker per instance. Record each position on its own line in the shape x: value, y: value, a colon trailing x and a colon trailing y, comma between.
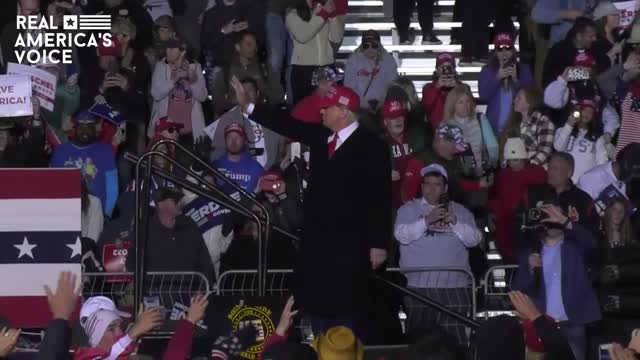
x: 505, y: 48
x: 372, y: 45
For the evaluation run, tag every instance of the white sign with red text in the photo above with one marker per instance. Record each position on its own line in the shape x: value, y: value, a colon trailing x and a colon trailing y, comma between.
x: 628, y: 11
x: 43, y: 82
x: 15, y: 95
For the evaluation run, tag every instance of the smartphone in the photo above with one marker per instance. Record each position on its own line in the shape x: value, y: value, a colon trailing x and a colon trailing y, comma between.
x: 444, y: 200
x: 113, y: 68
x: 151, y: 301
x: 296, y: 150
x: 603, y: 352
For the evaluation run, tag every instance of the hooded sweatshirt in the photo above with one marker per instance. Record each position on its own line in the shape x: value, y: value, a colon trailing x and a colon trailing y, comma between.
x: 368, y: 78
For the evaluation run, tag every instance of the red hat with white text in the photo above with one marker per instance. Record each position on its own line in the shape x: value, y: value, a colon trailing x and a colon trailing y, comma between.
x: 394, y: 108
x: 340, y: 95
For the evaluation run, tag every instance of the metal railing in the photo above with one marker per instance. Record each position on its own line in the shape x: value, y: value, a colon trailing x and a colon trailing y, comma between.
x: 497, y: 284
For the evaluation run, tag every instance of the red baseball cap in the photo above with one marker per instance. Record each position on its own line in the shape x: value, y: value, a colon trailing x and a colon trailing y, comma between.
x: 503, y: 39
x: 340, y: 95
x: 165, y: 123
x: 307, y: 110
x: 445, y: 58
x: 236, y: 128
x: 584, y: 59
x: 112, y: 50
x: 588, y: 103
x: 394, y: 108
x: 275, y: 175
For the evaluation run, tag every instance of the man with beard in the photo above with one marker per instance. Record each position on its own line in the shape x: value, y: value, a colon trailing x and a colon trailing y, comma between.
x: 95, y: 160
x: 236, y: 163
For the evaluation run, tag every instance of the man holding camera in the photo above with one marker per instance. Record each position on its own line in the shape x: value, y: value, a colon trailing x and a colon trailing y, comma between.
x: 433, y: 231
x: 553, y: 272
x: 559, y: 189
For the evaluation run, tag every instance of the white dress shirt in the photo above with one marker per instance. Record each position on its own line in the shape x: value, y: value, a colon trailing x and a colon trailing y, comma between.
x: 344, y: 134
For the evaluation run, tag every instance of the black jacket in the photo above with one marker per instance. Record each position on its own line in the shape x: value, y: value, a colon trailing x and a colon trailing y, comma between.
x: 179, y: 249
x: 561, y: 56
x: 347, y: 211
x: 56, y: 342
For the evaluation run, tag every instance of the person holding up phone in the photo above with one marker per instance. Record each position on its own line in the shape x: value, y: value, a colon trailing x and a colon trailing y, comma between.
x: 435, y: 93
x: 433, y: 231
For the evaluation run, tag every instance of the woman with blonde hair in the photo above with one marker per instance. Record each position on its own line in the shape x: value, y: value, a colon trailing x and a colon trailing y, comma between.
x: 460, y: 111
x: 531, y: 125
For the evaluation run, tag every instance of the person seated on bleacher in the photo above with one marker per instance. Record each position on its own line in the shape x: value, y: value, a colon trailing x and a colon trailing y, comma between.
x: 435, y: 93
x: 175, y: 242
x: 369, y: 70
x: 435, y: 232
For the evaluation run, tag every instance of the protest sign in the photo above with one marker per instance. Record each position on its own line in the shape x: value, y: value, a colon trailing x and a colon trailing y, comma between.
x: 628, y: 11
x: 15, y: 95
x: 43, y: 82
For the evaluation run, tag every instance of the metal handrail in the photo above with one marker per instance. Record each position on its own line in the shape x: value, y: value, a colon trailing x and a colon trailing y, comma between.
x: 263, y: 232
x: 141, y: 242
x: 220, y: 197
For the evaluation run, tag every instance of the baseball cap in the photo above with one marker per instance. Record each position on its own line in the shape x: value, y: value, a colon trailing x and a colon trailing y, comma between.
x: 165, y: 123
x: 96, y: 303
x: 235, y: 128
x: 503, y: 39
x: 272, y: 175
x: 371, y: 35
x: 97, y: 324
x: 84, y: 117
x: 340, y: 95
x: 445, y: 58
x: 434, y: 168
x: 326, y: 73
x: 165, y: 193
x: 588, y: 103
x: 453, y: 134
x: 393, y: 108
x: 585, y: 59
x: 603, y: 9
x: 164, y: 21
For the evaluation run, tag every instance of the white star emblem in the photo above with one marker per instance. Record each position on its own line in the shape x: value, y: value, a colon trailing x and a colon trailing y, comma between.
x: 76, y: 248
x: 25, y: 248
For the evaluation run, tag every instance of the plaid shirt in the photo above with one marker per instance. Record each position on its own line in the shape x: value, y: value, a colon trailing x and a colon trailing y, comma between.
x: 537, y: 133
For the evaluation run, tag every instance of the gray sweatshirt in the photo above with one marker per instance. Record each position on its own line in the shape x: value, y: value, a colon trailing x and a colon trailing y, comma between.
x: 441, y: 246
x: 358, y: 72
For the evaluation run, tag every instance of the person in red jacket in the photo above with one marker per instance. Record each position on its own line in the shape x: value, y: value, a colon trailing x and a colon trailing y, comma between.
x: 511, y: 183
x: 435, y: 93
x: 394, y: 118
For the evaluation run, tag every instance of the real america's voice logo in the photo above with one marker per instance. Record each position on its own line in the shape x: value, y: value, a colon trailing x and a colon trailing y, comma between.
x: 41, y: 40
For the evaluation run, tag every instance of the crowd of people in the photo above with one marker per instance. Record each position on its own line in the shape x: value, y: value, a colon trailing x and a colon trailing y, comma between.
x: 350, y: 161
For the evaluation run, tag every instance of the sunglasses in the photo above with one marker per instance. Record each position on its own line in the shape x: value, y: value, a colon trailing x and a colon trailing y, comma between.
x: 505, y: 48
x: 372, y: 45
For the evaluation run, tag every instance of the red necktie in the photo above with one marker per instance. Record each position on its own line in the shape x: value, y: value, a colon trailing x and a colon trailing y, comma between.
x: 331, y: 146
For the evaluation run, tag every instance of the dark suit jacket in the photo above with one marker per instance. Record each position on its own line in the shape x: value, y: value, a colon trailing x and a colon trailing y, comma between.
x: 578, y: 296
x: 347, y: 211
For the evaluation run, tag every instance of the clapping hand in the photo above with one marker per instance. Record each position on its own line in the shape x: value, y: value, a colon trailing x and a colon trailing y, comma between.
x: 62, y: 302
x: 377, y: 257
x: 8, y: 340
x: 241, y: 95
x: 617, y: 352
x: 286, y: 318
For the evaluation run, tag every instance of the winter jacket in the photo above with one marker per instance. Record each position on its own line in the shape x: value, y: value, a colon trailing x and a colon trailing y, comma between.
x: 312, y: 39
x: 433, y: 99
x: 491, y: 90
x: 370, y: 79
x: 556, y: 96
x: 586, y: 152
x: 56, y: 342
x: 161, y: 87
x: 508, y: 190
x: 578, y: 297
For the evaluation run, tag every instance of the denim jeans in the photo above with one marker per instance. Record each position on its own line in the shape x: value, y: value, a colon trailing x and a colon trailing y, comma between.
x: 280, y: 48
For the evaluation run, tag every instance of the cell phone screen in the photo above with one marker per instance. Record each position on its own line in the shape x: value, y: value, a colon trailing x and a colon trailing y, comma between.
x: 603, y: 352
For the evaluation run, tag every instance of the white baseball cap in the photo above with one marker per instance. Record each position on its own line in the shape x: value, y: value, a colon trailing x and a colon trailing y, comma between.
x: 97, y: 324
x: 514, y: 149
x: 93, y: 304
x: 603, y: 9
x: 434, y: 168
